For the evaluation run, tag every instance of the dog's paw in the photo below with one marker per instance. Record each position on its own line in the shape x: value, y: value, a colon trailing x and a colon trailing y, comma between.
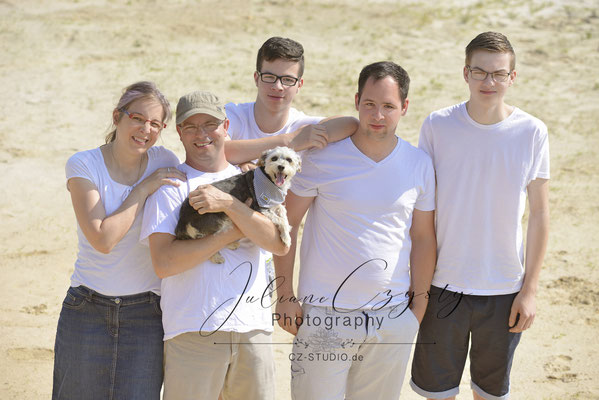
x: 233, y: 246
x: 217, y: 258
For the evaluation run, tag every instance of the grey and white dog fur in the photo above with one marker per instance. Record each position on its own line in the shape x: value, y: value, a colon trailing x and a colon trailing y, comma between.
x: 279, y: 165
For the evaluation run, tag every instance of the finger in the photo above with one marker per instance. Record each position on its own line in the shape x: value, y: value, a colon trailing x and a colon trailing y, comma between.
x: 170, y: 182
x: 175, y: 173
x: 513, y: 314
x: 519, y: 326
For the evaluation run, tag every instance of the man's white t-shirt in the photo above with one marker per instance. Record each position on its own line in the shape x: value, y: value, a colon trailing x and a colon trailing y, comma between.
x: 210, y: 296
x: 127, y: 269
x: 482, y: 175
x: 243, y: 124
x: 356, y: 240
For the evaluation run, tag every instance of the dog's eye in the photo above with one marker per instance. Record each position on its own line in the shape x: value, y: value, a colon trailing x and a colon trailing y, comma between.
x: 275, y: 158
x: 289, y: 160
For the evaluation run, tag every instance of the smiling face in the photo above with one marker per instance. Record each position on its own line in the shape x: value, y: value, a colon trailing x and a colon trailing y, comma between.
x: 276, y: 97
x: 204, y: 145
x: 130, y: 133
x: 489, y: 93
x: 380, y: 109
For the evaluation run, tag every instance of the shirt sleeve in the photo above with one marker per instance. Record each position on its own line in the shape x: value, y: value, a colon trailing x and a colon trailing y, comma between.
x: 304, y: 183
x: 78, y: 167
x: 161, y: 212
x: 426, y: 197
x: 425, y: 141
x: 235, y: 124
x: 540, y: 166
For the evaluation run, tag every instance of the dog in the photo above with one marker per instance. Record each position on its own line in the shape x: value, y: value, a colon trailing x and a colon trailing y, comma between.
x: 266, y: 186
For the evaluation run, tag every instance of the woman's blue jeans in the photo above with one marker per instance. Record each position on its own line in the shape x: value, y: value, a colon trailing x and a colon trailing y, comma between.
x: 108, y: 347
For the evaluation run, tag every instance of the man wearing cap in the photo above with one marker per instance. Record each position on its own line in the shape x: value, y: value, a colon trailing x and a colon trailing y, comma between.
x: 214, y: 336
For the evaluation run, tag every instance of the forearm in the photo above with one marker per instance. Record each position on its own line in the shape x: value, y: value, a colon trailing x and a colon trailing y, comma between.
x: 338, y: 128
x: 240, y: 151
x: 422, y: 267
x: 536, y: 246
x: 171, y: 256
x: 284, y: 266
x: 111, y: 230
x: 256, y: 227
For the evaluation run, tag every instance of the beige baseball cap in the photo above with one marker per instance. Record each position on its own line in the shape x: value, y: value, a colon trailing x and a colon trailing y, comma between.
x: 199, y: 103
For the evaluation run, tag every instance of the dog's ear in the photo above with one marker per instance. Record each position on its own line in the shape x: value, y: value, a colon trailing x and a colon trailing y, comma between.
x: 299, y: 163
x: 262, y: 159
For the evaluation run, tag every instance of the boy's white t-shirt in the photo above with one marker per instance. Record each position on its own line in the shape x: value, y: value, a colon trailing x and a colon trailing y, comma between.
x: 210, y: 296
x: 243, y: 124
x: 482, y: 174
x: 358, y: 226
x: 127, y: 269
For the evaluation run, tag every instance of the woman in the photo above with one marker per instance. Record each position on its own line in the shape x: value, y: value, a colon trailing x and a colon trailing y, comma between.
x: 109, y: 336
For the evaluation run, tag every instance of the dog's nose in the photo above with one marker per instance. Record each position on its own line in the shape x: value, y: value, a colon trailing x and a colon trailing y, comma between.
x: 281, y: 167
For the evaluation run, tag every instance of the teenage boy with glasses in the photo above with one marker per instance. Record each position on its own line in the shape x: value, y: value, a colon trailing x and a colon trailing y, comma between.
x: 270, y: 121
x: 488, y: 156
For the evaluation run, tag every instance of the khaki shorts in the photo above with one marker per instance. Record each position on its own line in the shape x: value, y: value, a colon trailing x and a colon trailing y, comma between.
x: 199, y: 367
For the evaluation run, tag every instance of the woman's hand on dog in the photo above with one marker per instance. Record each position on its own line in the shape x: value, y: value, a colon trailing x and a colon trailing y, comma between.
x: 208, y: 199
x: 162, y: 176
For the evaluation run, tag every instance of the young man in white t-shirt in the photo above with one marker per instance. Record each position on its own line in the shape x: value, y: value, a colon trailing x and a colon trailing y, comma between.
x: 270, y: 121
x: 214, y: 337
x: 488, y: 156
x: 368, y: 243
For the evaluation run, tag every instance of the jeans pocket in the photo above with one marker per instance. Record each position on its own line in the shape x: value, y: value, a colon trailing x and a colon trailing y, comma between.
x: 157, y: 308
x: 73, y: 300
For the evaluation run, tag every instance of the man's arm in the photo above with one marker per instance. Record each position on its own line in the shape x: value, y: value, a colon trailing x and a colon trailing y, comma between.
x: 422, y: 259
x: 171, y: 256
x: 254, y: 225
x: 328, y: 130
x: 296, y: 208
x: 537, y: 236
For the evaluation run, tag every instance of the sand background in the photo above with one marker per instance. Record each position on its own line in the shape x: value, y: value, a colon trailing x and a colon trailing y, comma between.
x: 63, y: 65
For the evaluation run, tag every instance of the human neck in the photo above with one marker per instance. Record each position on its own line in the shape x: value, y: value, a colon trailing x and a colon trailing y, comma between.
x: 124, y: 166
x: 207, y: 164
x: 488, y: 114
x: 375, y: 149
x: 270, y: 121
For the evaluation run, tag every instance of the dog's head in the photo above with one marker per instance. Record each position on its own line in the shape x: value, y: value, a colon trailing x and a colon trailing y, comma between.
x: 280, y: 164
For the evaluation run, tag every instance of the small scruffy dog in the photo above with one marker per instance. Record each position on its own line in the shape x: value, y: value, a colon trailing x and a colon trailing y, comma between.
x: 266, y: 185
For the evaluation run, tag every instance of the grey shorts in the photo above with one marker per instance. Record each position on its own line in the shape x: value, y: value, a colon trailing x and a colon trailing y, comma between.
x: 452, y: 321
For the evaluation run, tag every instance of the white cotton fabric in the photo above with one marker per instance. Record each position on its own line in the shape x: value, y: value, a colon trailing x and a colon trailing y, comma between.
x: 209, y: 296
x: 127, y: 269
x: 243, y: 124
x: 361, y: 215
x: 482, y: 175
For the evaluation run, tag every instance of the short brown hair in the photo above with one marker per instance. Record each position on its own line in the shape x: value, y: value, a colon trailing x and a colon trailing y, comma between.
x: 493, y: 42
x: 281, y: 48
x: 382, y: 69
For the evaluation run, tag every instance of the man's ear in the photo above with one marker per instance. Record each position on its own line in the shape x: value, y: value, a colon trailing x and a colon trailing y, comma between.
x: 256, y: 77
x: 357, y: 100
x: 465, y: 73
x: 404, y: 107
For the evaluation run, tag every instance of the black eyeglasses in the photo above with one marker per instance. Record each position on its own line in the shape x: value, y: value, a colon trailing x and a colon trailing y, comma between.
x: 479, y: 75
x: 272, y: 78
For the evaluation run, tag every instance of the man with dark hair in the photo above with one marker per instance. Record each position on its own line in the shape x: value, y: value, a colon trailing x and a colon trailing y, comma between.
x: 270, y: 121
x: 367, y: 252
x: 488, y: 156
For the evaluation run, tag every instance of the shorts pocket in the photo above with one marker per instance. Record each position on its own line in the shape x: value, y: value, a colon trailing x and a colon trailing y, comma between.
x: 73, y: 300
x: 410, y: 312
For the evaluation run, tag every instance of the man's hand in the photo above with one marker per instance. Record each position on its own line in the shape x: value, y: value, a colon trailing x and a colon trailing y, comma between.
x: 247, y: 166
x: 309, y: 137
x: 208, y: 199
x: 523, y: 309
x: 288, y: 313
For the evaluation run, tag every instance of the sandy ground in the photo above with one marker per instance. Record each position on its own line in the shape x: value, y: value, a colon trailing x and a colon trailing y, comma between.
x: 64, y: 63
